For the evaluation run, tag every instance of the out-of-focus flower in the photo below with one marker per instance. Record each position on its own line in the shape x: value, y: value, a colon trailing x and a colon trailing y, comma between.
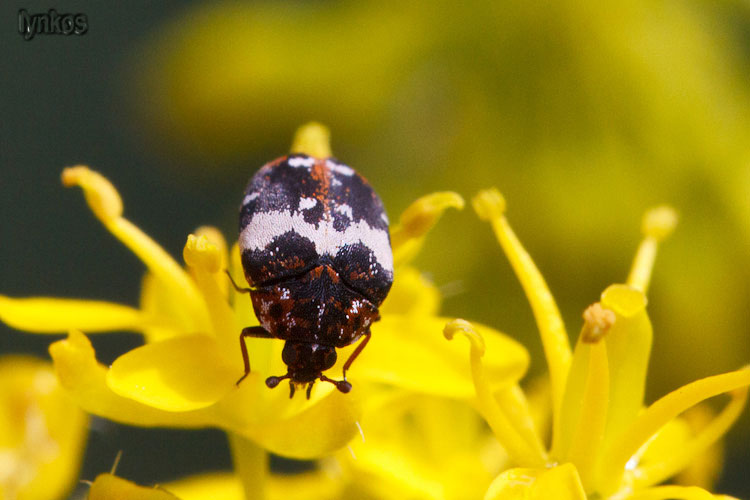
x: 322, y: 484
x: 421, y: 446
x: 42, y: 432
x: 605, y: 444
x: 111, y: 487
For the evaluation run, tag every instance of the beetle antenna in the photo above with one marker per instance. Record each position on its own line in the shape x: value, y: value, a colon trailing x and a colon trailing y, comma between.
x: 236, y: 286
x: 272, y: 382
x: 341, y: 385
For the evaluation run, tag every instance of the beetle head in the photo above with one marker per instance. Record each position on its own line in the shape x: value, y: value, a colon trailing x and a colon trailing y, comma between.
x: 305, y: 364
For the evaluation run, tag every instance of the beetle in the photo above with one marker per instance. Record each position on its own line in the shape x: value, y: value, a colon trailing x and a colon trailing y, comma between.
x: 316, y: 252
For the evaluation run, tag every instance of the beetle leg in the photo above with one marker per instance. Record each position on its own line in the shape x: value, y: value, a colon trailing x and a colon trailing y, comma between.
x: 250, y: 331
x: 236, y: 286
x: 356, y: 352
x: 309, y: 389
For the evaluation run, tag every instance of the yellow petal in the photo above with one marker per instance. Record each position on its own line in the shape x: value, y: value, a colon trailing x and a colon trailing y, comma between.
x: 312, y: 139
x: 628, y: 348
x: 216, y: 239
x: 707, y: 464
x: 318, y: 485
x: 43, y: 432
x: 84, y: 379
x: 100, y: 194
x: 675, y: 493
x: 411, y: 293
x: 561, y: 483
x: 52, y: 315
x: 513, y: 484
x: 387, y: 473
x: 109, y: 487
x: 251, y: 473
x: 206, y: 264
x: 420, y: 446
x: 156, y: 300
x: 220, y: 485
x: 410, y: 352
x: 225, y: 486
x: 585, y: 404
x: 658, y: 469
x: 588, y: 432
x: 178, y: 374
x: 200, y: 252
x: 416, y: 221
x: 662, y: 411
x: 321, y: 427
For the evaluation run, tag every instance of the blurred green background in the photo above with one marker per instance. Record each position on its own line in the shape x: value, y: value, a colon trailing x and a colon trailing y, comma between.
x: 584, y: 114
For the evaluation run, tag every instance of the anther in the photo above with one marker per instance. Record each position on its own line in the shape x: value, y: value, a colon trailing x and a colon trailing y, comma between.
x: 597, y: 322
x: 659, y: 222
x: 489, y: 204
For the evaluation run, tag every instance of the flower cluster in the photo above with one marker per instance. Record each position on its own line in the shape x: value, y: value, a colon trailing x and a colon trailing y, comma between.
x: 415, y: 426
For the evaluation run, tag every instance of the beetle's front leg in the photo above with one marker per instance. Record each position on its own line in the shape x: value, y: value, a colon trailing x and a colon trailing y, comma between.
x: 251, y: 331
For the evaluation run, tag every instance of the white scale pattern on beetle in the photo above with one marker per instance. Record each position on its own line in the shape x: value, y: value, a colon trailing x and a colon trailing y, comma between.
x: 301, y: 162
x: 250, y: 197
x: 340, y: 169
x: 266, y: 226
x: 345, y: 210
x: 306, y: 203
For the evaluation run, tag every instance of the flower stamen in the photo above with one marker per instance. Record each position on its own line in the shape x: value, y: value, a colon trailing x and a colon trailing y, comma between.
x: 597, y: 322
x: 490, y: 205
x: 509, y: 435
x: 658, y: 224
x: 106, y: 204
x: 417, y: 220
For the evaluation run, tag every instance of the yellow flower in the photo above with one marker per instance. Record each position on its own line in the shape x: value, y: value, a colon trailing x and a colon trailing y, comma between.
x: 42, y: 432
x: 421, y: 446
x: 605, y: 443
x: 185, y: 373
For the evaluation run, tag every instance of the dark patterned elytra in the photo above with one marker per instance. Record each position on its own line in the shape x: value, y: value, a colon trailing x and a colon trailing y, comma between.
x: 316, y: 253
